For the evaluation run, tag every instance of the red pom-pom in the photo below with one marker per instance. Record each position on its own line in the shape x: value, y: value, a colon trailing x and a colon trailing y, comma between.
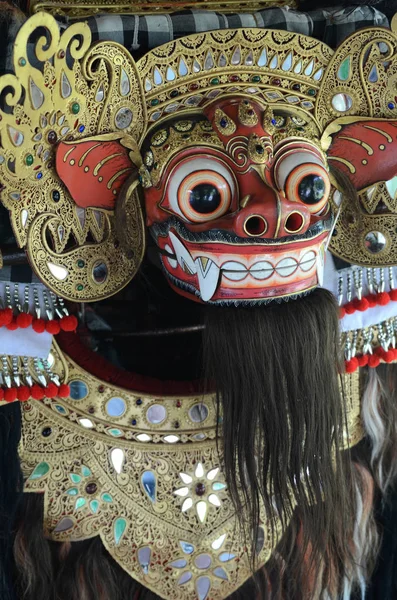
x: 69, y: 323
x: 383, y: 298
x: 371, y: 298
x: 64, y: 391
x: 23, y: 393
x: 51, y: 390
x: 388, y: 356
x: 53, y: 327
x: 342, y: 312
x: 349, y: 308
x: 7, y: 316
x: 24, y: 320
x: 351, y: 365
x: 373, y: 361
x: 38, y: 325
x: 10, y: 394
x: 12, y: 326
x: 37, y: 392
x: 393, y: 295
x: 1, y: 393
x: 361, y: 305
x: 362, y: 360
x: 379, y: 351
x: 1, y: 317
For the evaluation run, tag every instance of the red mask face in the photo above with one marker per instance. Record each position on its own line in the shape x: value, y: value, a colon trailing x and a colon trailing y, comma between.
x: 238, y: 210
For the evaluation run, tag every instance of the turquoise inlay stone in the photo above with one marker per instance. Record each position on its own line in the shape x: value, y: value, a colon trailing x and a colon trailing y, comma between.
x: 80, y: 502
x: 119, y: 528
x: 60, y: 409
x: 75, y: 478
x: 86, y: 471
x: 115, y: 432
x: 149, y: 484
x: 218, y: 486
x: 94, y: 505
x: 41, y: 470
x: 72, y: 492
x: 107, y: 497
x: 344, y: 70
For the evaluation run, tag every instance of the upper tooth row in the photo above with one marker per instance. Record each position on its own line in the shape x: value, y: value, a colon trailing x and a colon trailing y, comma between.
x: 263, y: 269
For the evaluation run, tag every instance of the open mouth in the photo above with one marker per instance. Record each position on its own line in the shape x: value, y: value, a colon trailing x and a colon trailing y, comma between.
x: 216, y: 271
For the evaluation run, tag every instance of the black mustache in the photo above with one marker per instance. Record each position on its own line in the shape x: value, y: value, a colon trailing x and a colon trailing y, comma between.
x: 220, y: 235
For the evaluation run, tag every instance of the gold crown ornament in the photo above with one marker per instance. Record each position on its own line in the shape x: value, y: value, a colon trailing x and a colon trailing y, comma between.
x: 142, y: 471
x: 86, y: 8
x: 76, y: 119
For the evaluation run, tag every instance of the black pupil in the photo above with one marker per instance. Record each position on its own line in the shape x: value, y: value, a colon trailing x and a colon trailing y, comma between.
x: 204, y: 198
x: 311, y: 189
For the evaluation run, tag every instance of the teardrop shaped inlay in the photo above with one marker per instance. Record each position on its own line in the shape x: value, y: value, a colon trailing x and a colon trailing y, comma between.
x: 262, y: 60
x: 182, y: 68
x: 373, y: 75
x: 287, y: 64
x: 15, y: 136
x: 236, y: 56
x: 274, y: 62
x: 36, y: 95
x: 203, y: 585
x: 117, y: 458
x: 209, y: 61
x: 318, y: 75
x: 222, y: 61
x: 170, y: 75
x: 57, y: 271
x: 40, y: 471
x: 119, y: 527
x: 144, y: 555
x: 125, y: 86
x: 249, y: 59
x: 157, y: 76
x: 100, y: 93
x: 344, y: 70
x: 24, y: 217
x: 149, y: 484
x: 298, y: 67
x: 66, y: 88
x: 309, y: 68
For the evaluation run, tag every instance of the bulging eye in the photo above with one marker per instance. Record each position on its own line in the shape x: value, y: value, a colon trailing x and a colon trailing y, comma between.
x: 309, y: 184
x: 304, y: 178
x: 201, y: 190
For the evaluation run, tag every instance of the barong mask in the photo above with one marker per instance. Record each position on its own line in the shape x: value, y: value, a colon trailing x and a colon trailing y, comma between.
x: 235, y: 167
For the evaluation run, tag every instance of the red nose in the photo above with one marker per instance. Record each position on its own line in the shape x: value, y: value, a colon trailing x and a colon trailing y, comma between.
x: 271, y: 217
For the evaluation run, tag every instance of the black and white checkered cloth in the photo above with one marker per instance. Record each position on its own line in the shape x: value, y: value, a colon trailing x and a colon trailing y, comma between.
x: 141, y: 33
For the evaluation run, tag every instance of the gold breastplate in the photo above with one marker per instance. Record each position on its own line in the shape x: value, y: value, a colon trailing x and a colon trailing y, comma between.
x: 143, y: 472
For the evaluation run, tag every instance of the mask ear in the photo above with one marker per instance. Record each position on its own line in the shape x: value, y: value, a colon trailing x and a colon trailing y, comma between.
x: 364, y: 149
x: 73, y: 117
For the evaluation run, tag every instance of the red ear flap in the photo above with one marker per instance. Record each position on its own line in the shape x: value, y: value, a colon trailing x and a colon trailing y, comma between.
x: 95, y: 169
x: 364, y: 149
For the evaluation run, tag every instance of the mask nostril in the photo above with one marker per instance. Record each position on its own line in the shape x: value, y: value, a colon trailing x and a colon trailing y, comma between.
x: 255, y: 225
x: 294, y: 222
